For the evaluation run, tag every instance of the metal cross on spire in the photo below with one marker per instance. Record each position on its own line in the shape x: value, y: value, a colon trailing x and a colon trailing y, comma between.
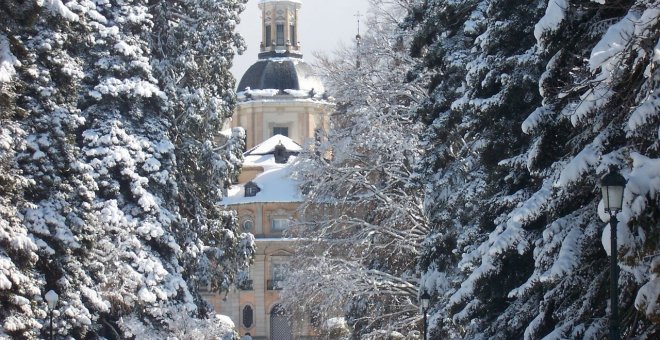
x: 358, y: 16
x: 358, y: 38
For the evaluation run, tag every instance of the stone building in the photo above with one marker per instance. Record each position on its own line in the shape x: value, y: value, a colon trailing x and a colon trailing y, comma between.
x: 282, y: 106
x: 279, y: 93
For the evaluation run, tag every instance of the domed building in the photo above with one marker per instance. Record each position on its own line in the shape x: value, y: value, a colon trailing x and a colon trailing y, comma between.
x: 282, y: 106
x: 280, y: 94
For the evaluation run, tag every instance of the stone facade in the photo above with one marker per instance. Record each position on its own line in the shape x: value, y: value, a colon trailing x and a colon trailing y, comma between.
x: 261, y: 118
x: 262, y: 291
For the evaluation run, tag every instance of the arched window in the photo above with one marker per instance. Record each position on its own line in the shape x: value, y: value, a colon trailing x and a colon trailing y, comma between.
x: 248, y: 316
x: 280, y: 326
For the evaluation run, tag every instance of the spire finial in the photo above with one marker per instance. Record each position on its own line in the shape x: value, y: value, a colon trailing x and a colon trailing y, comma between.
x: 358, y: 39
x: 358, y: 16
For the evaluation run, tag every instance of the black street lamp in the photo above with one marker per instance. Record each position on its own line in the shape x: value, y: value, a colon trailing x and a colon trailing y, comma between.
x: 425, y: 299
x: 612, y: 186
x: 51, y: 299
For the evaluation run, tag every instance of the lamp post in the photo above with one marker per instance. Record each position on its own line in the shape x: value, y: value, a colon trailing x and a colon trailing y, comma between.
x: 425, y: 299
x: 612, y: 186
x: 51, y: 299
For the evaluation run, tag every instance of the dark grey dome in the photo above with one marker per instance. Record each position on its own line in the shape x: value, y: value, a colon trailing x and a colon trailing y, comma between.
x: 280, y: 74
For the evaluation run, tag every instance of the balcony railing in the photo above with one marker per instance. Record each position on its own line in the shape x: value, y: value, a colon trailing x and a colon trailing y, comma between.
x: 274, y: 284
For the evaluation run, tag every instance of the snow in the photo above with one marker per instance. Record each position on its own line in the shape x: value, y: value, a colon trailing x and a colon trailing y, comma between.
x: 270, y: 93
x: 133, y: 86
x: 335, y: 323
x: 283, y: 59
x: 57, y: 7
x: 590, y: 101
x: 7, y: 61
x: 623, y: 235
x: 267, y: 1
x: 257, y: 93
x: 645, y: 112
x: 151, y: 165
x: 145, y: 295
x: 555, y: 14
x: 268, y: 146
x: 275, y: 181
x: 644, y: 180
x: 534, y: 119
x: 298, y: 93
x: 568, y: 257
x: 618, y: 36
x: 613, y: 42
x: 225, y: 321
x: 574, y: 170
x: 648, y: 296
x: 125, y: 49
x: 5, y: 284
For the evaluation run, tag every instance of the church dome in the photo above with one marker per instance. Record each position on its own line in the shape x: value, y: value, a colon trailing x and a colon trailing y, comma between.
x: 287, y: 75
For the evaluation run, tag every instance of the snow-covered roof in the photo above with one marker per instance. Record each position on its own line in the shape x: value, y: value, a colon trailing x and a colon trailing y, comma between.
x: 268, y: 146
x: 275, y: 181
x: 267, y: 1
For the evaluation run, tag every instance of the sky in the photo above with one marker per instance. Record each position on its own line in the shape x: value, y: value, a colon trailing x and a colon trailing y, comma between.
x: 324, y: 24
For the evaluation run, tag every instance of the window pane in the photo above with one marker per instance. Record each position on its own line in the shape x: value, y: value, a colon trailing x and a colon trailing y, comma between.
x: 279, y: 130
x: 293, y: 35
x: 279, y: 272
x: 268, y: 35
x: 247, y: 226
x: 279, y: 224
x: 280, y: 34
x: 248, y: 316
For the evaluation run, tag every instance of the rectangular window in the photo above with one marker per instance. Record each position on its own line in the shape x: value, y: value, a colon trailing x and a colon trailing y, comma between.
x: 292, y: 33
x: 281, y: 130
x: 279, y: 272
x: 280, y: 35
x: 269, y: 37
x: 244, y: 281
x: 277, y: 276
x: 279, y: 224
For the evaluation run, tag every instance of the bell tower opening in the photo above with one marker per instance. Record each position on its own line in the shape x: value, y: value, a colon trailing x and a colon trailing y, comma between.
x: 280, y: 27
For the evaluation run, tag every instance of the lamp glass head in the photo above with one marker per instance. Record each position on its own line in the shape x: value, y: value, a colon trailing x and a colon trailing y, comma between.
x: 51, y: 299
x: 612, y: 186
x: 425, y: 299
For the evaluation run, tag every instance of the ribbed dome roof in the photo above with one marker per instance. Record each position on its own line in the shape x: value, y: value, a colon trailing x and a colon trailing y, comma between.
x: 280, y: 74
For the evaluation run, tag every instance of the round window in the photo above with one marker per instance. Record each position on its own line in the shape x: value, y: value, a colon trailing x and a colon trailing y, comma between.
x: 247, y: 225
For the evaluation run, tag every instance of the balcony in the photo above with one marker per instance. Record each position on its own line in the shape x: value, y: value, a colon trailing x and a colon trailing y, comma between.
x: 274, y: 284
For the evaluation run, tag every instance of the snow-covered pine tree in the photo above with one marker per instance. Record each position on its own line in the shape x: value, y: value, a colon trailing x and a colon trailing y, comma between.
x: 194, y: 44
x: 481, y: 56
x: 362, y: 214
x: 19, y: 282
x: 106, y: 194
x: 532, y: 265
x: 600, y: 109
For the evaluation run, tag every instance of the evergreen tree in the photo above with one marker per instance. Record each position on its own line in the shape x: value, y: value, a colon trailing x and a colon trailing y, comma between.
x: 103, y: 139
x: 515, y: 248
